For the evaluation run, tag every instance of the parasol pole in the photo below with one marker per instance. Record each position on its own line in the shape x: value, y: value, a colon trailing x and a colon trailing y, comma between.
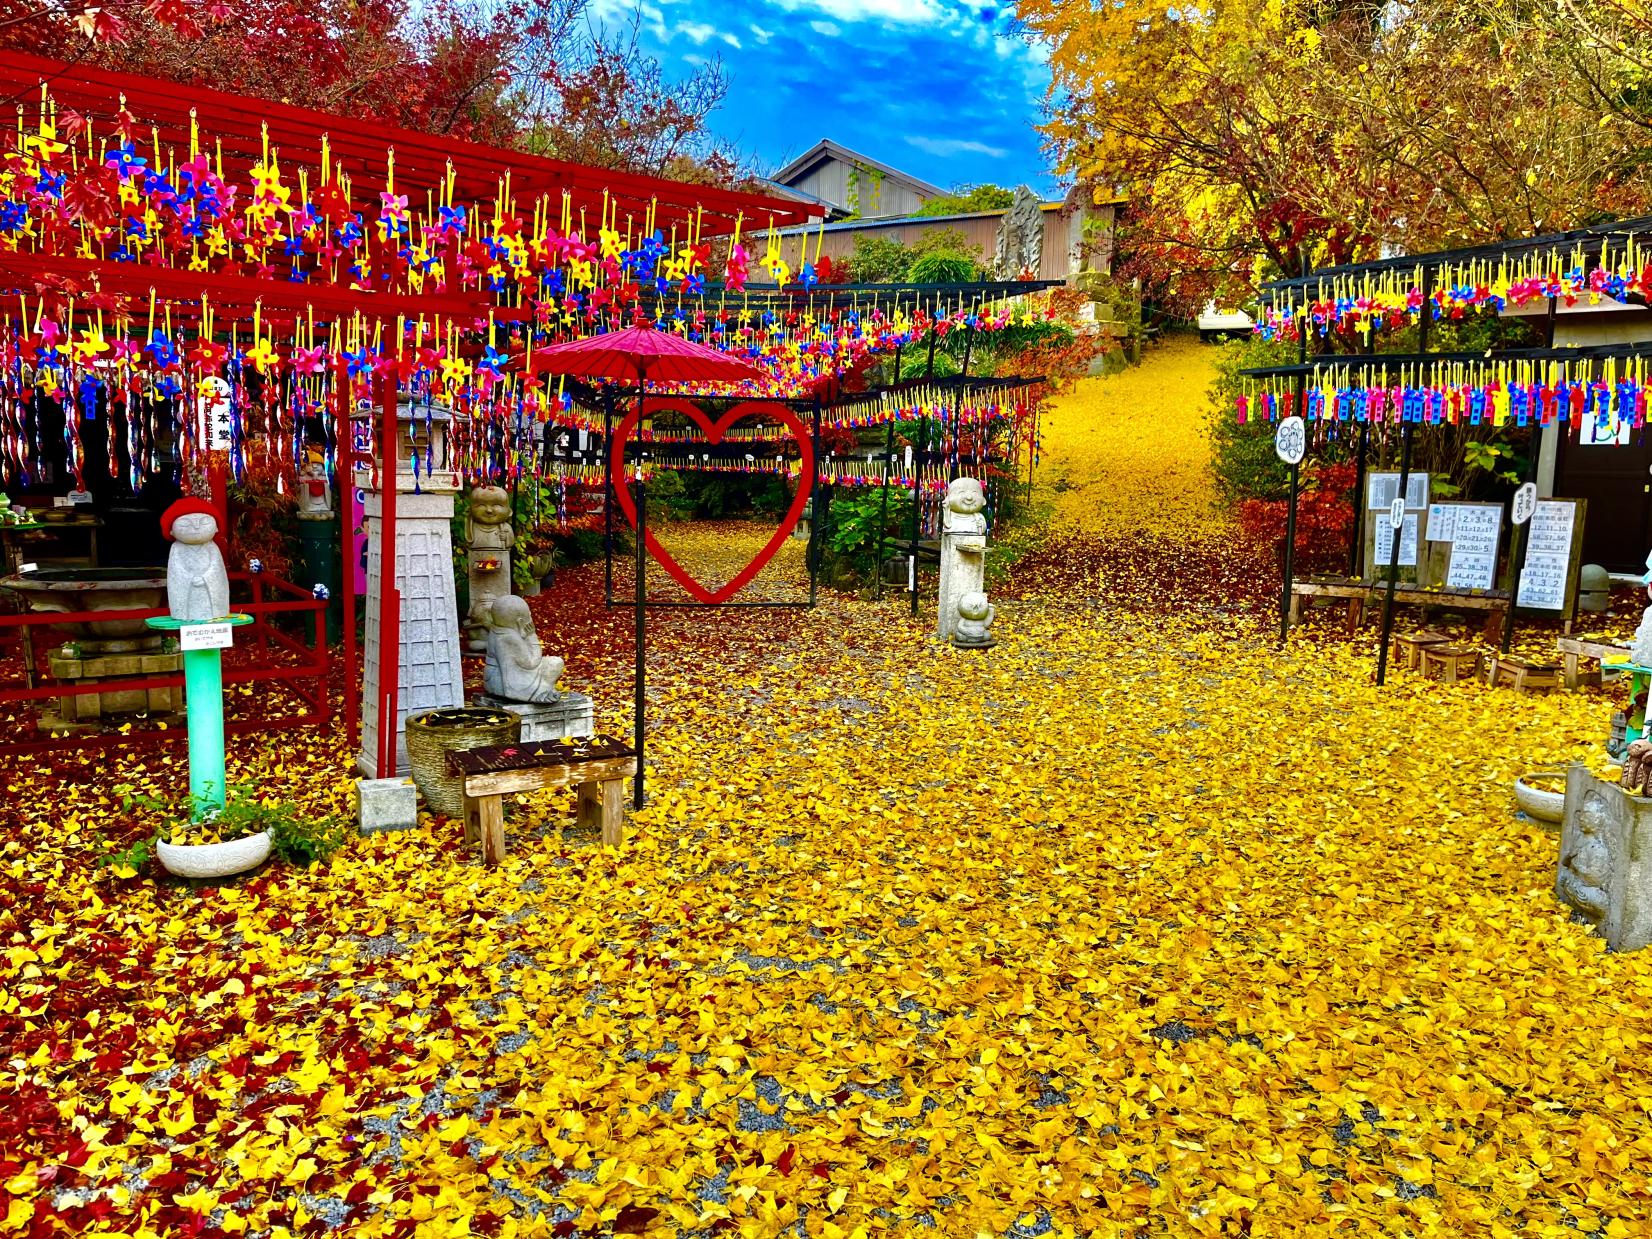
x: 640, y: 717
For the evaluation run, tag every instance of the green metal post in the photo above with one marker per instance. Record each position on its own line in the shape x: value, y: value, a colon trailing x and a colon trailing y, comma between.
x: 204, y: 706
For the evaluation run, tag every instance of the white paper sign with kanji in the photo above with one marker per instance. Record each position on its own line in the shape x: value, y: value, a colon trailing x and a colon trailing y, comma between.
x: 213, y: 414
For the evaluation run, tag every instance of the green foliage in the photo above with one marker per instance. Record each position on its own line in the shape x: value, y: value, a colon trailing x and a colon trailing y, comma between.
x: 1242, y: 459
x: 967, y: 199
x: 854, y: 521
x: 942, y: 269
x: 297, y: 840
x: 1493, y: 457
x: 915, y: 364
x: 878, y: 260
x: 136, y: 856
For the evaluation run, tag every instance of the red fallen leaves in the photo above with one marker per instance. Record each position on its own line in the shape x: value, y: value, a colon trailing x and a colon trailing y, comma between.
x: 634, y: 1219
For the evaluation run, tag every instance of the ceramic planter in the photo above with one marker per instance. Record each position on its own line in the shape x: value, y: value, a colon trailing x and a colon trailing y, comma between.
x: 214, y: 860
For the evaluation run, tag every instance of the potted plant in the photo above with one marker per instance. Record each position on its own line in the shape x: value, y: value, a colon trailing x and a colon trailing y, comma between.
x: 240, y: 837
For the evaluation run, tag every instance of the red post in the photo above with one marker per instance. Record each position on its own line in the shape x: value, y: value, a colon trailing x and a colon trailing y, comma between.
x: 344, y: 474
x: 389, y: 598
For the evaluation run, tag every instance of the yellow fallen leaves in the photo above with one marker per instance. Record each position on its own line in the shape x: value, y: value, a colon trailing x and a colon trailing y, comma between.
x: 1135, y: 925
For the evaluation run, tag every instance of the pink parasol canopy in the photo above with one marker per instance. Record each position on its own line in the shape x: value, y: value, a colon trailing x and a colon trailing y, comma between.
x: 643, y: 354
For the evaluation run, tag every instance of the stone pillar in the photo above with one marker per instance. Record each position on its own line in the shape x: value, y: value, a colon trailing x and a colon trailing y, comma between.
x: 963, y: 571
x: 430, y: 675
x: 1604, y: 872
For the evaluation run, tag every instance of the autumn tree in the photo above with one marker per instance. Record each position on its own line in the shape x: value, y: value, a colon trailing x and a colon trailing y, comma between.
x: 1246, y: 136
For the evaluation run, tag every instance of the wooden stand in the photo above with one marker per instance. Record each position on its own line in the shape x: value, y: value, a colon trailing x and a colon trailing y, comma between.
x: 1450, y: 663
x: 1521, y: 675
x: 1571, y: 649
x: 1407, y: 648
x: 1355, y: 594
x: 598, y: 767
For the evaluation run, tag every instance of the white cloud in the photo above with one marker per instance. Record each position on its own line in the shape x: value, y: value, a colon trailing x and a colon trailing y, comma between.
x: 830, y: 29
x: 945, y: 148
x: 904, y: 12
x: 761, y: 35
x: 699, y: 32
x: 699, y: 62
x: 728, y: 38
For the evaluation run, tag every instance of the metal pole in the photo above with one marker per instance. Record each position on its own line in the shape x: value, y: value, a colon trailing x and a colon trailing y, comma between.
x: 1407, y: 429
x: 883, y: 509
x: 608, y: 497
x: 1518, y: 543
x: 817, y: 513
x: 1357, y: 541
x: 639, y: 726
x: 1298, y: 408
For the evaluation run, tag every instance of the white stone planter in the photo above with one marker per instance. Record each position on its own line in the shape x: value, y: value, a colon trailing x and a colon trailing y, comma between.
x: 1536, y: 802
x: 214, y: 860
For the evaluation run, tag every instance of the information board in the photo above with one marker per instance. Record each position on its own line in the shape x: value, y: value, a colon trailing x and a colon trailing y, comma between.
x: 1378, y: 524
x: 1554, y: 541
x: 1476, y: 530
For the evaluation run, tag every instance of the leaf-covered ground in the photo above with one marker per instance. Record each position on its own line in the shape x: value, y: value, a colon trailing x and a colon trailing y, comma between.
x: 1135, y: 925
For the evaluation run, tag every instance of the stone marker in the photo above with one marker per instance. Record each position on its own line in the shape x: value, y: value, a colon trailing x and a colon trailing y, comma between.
x: 1020, y: 236
x: 386, y: 804
x: 1605, y: 869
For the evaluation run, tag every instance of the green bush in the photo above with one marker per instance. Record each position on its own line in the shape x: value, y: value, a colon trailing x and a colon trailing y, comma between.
x: 850, y: 535
x: 942, y: 268
x: 878, y: 260
x: 1242, y: 458
x: 968, y: 198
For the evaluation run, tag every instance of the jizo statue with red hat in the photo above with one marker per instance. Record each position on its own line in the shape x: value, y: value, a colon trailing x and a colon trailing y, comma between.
x: 197, y: 587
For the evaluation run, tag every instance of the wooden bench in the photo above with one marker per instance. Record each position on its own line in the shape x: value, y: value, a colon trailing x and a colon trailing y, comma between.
x: 1359, y: 594
x: 1406, y: 649
x: 1450, y: 663
x: 1573, y: 648
x: 1523, y: 675
x: 598, y: 766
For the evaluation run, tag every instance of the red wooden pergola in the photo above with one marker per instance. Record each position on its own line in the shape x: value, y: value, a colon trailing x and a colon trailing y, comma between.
x: 239, y: 127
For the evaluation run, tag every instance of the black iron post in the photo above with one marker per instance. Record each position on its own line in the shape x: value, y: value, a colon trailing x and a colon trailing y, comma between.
x: 1357, y: 542
x: 883, y: 508
x: 1299, y: 409
x: 1406, y: 431
x: 1519, y: 544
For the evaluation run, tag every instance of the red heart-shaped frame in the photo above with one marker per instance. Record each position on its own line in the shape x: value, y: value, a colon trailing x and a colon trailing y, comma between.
x: 714, y: 432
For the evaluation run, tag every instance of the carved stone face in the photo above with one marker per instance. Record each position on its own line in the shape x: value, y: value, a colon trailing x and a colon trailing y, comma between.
x: 966, y: 496
x: 194, y: 528
x: 489, y: 505
x: 974, y: 606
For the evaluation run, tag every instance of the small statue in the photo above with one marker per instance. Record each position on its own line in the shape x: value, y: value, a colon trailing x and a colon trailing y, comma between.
x: 197, y: 587
x: 966, y: 499
x: 973, y: 629
x: 315, y: 497
x: 1637, y: 768
x: 517, y: 669
x: 1586, y: 869
x: 489, y: 538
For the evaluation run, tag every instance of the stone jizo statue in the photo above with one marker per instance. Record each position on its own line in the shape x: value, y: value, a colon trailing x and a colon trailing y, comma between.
x: 1585, y: 872
x: 966, y: 500
x: 973, y: 628
x: 489, y: 538
x: 517, y: 669
x: 315, y: 496
x: 197, y: 586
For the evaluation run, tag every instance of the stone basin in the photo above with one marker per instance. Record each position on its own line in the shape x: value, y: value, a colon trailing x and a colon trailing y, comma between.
x: 67, y: 590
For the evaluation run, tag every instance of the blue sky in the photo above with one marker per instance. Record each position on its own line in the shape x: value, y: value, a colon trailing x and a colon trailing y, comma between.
x: 936, y: 88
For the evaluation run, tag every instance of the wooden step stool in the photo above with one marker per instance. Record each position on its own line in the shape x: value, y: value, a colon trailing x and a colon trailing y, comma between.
x: 1406, y: 649
x: 1450, y: 663
x: 1522, y: 675
x: 598, y: 766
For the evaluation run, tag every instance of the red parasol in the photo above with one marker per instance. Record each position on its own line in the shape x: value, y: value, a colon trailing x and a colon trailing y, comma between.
x: 643, y: 354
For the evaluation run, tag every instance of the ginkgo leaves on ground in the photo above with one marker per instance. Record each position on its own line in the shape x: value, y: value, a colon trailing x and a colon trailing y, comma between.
x: 1135, y: 924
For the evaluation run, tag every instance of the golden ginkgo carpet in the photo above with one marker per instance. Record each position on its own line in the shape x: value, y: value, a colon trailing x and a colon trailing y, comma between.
x: 1136, y: 925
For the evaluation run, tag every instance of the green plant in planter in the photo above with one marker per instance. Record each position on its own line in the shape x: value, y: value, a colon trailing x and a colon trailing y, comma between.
x: 297, y: 840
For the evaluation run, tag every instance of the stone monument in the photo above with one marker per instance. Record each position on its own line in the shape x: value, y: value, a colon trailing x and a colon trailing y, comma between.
x: 520, y: 677
x: 1020, y: 236
x: 197, y: 586
x: 1605, y: 869
x: 963, y: 550
x: 429, y: 676
x: 973, y: 628
x: 489, y: 539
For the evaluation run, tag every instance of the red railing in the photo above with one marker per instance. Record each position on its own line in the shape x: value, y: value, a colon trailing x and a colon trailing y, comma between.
x: 303, y: 671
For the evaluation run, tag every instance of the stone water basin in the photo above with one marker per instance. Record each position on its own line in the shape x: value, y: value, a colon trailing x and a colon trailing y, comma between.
x: 67, y: 590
